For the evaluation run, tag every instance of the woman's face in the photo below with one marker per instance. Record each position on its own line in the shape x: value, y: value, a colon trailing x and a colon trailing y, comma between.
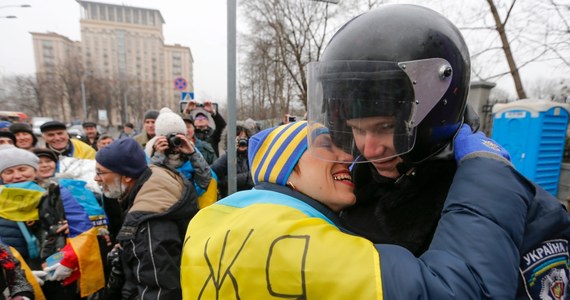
x: 19, y: 173
x: 46, y: 167
x: 24, y: 140
x: 323, y: 180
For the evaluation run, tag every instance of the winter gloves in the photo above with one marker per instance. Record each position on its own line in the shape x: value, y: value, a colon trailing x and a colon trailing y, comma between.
x: 475, y: 144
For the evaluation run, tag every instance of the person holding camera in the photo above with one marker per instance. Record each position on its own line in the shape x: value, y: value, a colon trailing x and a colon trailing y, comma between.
x: 172, y: 148
x: 201, y: 113
x: 220, y: 166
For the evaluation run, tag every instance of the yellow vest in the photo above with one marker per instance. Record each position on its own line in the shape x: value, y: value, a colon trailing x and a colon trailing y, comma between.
x: 274, y: 250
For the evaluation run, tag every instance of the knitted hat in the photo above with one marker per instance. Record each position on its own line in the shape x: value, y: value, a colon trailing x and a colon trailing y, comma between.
x: 52, y: 125
x: 169, y: 122
x: 12, y: 156
x: 4, y: 125
x: 125, y: 157
x: 8, y: 134
x: 274, y: 152
x: 24, y: 127
x: 45, y: 152
x: 150, y: 114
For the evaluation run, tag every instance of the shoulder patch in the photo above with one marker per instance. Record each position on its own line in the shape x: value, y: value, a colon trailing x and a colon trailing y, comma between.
x: 545, y: 270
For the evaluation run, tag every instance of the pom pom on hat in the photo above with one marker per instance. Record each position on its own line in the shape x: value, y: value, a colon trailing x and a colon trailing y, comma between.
x: 169, y: 122
x: 125, y: 157
x: 274, y: 152
x: 12, y: 156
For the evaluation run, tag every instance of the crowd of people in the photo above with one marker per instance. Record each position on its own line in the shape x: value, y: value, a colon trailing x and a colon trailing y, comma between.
x: 386, y: 190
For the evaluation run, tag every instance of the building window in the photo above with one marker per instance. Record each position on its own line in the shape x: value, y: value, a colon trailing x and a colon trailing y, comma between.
x: 103, y: 12
x: 151, y: 18
x: 111, y: 13
x: 144, y: 19
x: 127, y: 15
x: 94, y: 9
x: 120, y: 14
x: 136, y: 18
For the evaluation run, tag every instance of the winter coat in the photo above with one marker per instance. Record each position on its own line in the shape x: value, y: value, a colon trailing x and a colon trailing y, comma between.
x: 159, y: 208
x: 275, y: 241
x: 243, y: 178
x: 407, y: 214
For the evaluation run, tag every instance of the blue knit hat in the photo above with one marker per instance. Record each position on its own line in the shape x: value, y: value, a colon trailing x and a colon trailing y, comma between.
x: 274, y: 152
x: 125, y: 157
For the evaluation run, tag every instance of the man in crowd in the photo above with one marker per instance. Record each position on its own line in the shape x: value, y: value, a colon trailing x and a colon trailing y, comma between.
x: 202, y: 117
x: 57, y: 139
x: 90, y: 134
x: 104, y: 141
x: 157, y: 208
x: 128, y: 131
x: 7, y: 138
x: 204, y: 147
x: 25, y: 138
x: 148, y: 128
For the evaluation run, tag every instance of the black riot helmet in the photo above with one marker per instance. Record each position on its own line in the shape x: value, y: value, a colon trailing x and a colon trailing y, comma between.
x: 405, y: 65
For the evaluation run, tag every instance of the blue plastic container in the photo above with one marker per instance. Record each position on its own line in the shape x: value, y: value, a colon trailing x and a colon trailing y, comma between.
x: 534, y: 133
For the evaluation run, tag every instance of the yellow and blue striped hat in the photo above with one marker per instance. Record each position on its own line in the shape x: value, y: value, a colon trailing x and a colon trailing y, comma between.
x: 274, y: 152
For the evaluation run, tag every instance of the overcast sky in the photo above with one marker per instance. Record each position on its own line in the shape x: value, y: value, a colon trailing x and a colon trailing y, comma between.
x: 198, y: 24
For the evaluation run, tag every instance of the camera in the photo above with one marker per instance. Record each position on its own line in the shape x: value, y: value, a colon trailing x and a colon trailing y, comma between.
x: 292, y: 119
x: 242, y: 142
x: 199, y: 104
x: 173, y: 141
x: 116, y: 275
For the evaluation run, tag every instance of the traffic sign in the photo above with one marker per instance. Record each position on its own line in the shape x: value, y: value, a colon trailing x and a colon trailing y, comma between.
x: 180, y: 83
x: 186, y: 96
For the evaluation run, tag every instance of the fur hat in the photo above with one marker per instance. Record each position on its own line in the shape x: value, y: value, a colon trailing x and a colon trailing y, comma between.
x: 150, y: 114
x: 24, y: 127
x: 88, y: 124
x: 274, y: 152
x: 169, y: 122
x: 45, y: 152
x: 125, y: 157
x: 12, y: 156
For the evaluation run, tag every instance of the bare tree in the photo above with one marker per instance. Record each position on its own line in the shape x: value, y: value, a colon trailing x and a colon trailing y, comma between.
x: 506, y: 37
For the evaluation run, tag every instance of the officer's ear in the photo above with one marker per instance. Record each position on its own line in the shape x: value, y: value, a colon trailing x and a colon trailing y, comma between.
x: 126, y: 179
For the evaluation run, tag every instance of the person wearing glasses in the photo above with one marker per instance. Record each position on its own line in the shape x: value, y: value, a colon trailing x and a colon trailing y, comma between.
x: 157, y: 204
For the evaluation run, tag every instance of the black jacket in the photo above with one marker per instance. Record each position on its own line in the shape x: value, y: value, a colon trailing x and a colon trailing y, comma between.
x: 159, y: 206
x: 243, y: 180
x: 406, y: 212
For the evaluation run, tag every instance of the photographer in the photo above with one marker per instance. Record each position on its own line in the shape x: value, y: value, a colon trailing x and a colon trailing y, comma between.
x: 172, y: 148
x: 220, y: 166
x: 202, y: 113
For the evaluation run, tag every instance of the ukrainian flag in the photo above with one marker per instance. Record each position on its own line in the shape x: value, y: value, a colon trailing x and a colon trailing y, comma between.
x: 83, y: 240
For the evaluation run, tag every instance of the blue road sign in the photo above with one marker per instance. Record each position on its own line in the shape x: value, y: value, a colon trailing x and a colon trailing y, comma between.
x: 186, y: 96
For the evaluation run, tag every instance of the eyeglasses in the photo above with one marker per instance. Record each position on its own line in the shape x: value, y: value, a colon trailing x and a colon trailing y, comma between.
x: 99, y: 173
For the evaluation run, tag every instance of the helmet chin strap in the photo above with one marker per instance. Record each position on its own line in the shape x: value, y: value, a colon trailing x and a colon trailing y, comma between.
x: 405, y: 170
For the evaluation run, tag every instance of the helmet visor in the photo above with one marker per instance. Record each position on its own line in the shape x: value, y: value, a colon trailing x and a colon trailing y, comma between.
x: 372, y: 108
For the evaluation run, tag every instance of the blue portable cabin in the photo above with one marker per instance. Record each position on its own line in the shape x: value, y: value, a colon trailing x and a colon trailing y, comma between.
x: 534, y: 133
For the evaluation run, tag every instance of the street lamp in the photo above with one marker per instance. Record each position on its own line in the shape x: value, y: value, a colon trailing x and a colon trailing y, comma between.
x: 83, y: 101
